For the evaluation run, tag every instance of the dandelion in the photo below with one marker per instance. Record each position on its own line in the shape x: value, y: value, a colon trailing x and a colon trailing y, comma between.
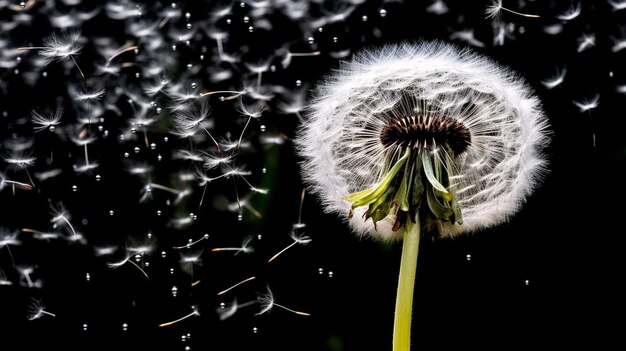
x: 9, y: 238
x: 267, y: 303
x: 585, y: 42
x: 252, y: 111
x: 422, y: 137
x: 47, y: 120
x: 37, y: 310
x: 494, y: 10
x: 88, y: 96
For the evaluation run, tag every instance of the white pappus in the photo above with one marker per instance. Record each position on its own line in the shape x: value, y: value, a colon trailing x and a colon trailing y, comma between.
x: 340, y: 139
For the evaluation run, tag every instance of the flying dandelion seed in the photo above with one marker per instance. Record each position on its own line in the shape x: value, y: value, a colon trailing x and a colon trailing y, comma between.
x: 425, y: 136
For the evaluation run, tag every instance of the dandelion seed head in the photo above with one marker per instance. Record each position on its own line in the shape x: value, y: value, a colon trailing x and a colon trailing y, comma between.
x: 341, y: 145
x: 57, y: 47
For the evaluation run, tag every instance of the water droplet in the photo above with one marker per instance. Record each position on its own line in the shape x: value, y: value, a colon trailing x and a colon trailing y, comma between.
x: 137, y: 75
x: 364, y: 18
x: 166, y: 139
x: 125, y: 326
x: 74, y: 188
x: 320, y: 29
x: 611, y: 74
x: 87, y: 277
x: 147, y: 263
x: 171, y: 270
x: 320, y: 271
x: 298, y: 83
x: 136, y: 51
x: 187, y: 348
x: 183, y: 338
x: 246, y: 19
x: 111, y: 213
x: 163, y: 254
x: 153, y: 146
x: 221, y: 98
x: 468, y: 257
x: 255, y: 330
x: 259, y: 237
x: 159, y: 110
x: 126, y: 154
x: 189, y: 66
x: 84, y: 221
x: 133, y: 130
x: 240, y: 217
x: 206, y: 236
x: 122, y: 137
x: 382, y: 12
x: 187, y: 15
x: 273, y: 68
x: 335, y: 39
x: 229, y: 21
x: 149, y: 235
x: 173, y: 5
x: 138, y: 258
x: 158, y: 212
x: 22, y: 4
x: 330, y: 274
x: 311, y: 40
x: 136, y: 149
x: 264, y: 170
x: 193, y: 85
x: 526, y: 282
x: 159, y: 157
x: 174, y: 47
x: 44, y: 74
x: 222, y: 305
x: 100, y: 128
x: 250, y: 29
x: 174, y: 291
x: 262, y: 127
x: 201, y: 57
x: 189, y: 25
x: 85, y: 326
x: 243, y: 4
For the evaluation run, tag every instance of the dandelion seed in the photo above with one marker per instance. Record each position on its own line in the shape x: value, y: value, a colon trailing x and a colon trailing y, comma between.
x: 234, y: 94
x: 297, y: 239
x: 235, y: 285
x: 14, y: 184
x: 245, y: 247
x: 192, y: 118
x: 572, y: 12
x: 267, y: 303
x: 585, y: 42
x: 3, y: 279
x: 617, y: 5
x: 555, y: 80
x: 59, y: 47
x: 127, y: 259
x: 87, y: 96
x: 195, y: 312
x: 21, y: 160
x: 494, y: 10
x: 438, y: 7
x: 59, y: 214
x: 286, y: 61
x: 189, y: 245
x: 36, y: 310
x: 25, y: 272
x: 47, y: 120
x: 588, y: 104
x: 42, y: 235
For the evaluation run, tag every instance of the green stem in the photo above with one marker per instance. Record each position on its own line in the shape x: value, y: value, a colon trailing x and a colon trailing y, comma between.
x: 406, y: 284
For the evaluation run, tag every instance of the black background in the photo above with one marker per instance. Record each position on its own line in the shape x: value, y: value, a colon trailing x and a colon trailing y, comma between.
x: 549, y: 278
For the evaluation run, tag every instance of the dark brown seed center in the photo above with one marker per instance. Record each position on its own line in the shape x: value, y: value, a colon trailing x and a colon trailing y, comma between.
x: 427, y: 132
